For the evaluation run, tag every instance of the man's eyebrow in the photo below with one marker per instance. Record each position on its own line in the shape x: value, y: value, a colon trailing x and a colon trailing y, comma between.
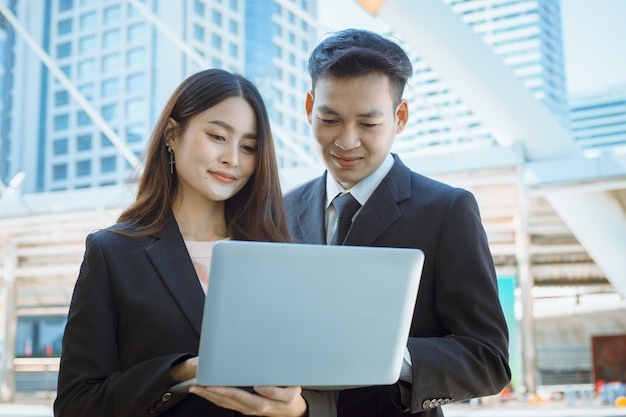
x: 328, y: 110
x: 371, y: 113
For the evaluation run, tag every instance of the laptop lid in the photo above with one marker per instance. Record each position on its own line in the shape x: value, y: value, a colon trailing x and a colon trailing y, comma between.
x: 317, y: 316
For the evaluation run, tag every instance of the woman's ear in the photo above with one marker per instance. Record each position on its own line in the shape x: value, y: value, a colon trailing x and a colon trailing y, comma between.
x: 171, y: 132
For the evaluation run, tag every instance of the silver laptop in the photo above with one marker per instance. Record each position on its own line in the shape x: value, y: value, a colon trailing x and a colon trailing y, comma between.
x: 317, y: 316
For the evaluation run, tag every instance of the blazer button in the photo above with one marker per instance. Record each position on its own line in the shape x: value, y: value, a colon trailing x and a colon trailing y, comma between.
x: 433, y: 403
x: 426, y: 404
x: 166, y: 397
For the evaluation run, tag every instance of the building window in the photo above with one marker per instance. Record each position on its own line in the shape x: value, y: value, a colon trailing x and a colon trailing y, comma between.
x: 135, y: 82
x: 233, y: 50
x: 64, y: 50
x: 86, y: 68
x: 87, y: 91
x: 105, y: 142
x: 198, y: 7
x: 61, y: 122
x: 135, y: 57
x: 83, y: 168
x: 198, y: 33
x: 110, y: 88
x: 87, y: 44
x: 64, y: 26
x: 59, y: 172
x: 137, y: 32
x: 111, y: 63
x: 83, y: 119
x: 234, y: 5
x: 135, y: 108
x: 134, y: 133
x: 233, y: 27
x: 108, y: 164
x: 59, y: 147
x: 111, y: 38
x: 83, y: 143
x: 65, y: 5
x: 88, y: 21
x: 216, y: 42
x: 109, y: 112
x: 216, y: 18
x: 61, y: 98
x: 112, y: 14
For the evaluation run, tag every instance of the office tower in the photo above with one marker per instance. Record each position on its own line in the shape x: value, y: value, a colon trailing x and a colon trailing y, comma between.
x: 598, y: 121
x: 526, y: 35
x: 6, y: 57
x: 124, y: 58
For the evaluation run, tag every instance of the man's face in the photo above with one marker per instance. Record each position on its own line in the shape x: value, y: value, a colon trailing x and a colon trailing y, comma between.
x: 354, y: 122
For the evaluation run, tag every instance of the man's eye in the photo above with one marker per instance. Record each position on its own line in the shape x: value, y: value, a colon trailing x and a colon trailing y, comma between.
x: 368, y: 125
x: 327, y: 121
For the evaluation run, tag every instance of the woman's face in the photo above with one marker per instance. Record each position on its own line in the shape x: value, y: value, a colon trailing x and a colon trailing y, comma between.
x: 216, y: 154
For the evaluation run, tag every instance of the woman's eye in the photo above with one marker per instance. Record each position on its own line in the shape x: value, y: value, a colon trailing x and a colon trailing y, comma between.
x: 248, y: 148
x: 217, y: 137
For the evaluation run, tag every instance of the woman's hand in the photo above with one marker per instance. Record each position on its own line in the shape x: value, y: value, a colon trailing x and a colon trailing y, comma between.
x: 268, y: 401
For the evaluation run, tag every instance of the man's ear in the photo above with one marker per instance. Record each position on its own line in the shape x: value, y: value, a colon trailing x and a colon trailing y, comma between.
x: 402, y: 116
x: 171, y: 132
x: 309, y: 105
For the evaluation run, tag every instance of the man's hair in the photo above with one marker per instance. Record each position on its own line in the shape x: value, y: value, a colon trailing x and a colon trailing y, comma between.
x: 354, y: 52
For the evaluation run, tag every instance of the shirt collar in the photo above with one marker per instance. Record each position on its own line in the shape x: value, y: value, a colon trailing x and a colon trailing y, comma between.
x: 363, y: 190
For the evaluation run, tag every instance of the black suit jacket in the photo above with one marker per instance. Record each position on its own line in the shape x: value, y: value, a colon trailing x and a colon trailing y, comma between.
x: 136, y: 310
x: 458, y: 339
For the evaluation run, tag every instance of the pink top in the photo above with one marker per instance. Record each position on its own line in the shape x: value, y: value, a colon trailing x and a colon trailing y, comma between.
x: 200, y: 253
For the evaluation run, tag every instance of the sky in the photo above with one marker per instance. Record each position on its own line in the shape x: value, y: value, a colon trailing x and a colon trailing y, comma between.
x: 594, y: 32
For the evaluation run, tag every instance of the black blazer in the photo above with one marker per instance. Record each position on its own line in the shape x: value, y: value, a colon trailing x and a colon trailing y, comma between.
x: 458, y: 339
x: 136, y: 310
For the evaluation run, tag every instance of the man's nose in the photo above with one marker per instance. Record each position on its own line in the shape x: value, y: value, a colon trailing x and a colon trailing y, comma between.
x: 348, y: 138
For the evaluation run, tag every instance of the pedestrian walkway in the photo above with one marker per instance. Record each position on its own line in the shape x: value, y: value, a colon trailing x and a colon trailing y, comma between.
x: 548, y: 409
x: 43, y: 408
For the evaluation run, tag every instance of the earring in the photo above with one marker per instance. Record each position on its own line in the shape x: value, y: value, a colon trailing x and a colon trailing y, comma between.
x: 172, y: 162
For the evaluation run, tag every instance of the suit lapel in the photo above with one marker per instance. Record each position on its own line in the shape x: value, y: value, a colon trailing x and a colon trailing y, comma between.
x: 310, y: 213
x: 381, y: 209
x: 170, y: 257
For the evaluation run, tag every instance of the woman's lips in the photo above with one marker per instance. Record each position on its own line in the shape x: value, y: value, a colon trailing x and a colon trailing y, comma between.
x: 222, y: 176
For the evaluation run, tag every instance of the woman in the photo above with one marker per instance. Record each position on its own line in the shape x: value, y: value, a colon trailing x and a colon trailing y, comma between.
x: 134, y: 322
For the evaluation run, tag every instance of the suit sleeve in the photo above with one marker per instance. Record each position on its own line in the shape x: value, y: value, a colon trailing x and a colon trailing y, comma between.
x: 91, y: 382
x: 471, y: 359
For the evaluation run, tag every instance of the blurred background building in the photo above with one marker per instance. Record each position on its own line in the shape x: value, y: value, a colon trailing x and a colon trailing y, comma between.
x: 82, y: 82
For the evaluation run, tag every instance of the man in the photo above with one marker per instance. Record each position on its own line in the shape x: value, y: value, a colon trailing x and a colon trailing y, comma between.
x: 458, y: 344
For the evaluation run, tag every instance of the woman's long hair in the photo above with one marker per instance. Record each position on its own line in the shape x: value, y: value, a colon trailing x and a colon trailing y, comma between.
x: 256, y: 212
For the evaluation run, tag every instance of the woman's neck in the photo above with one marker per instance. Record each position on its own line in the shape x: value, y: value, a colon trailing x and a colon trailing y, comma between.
x: 201, y: 222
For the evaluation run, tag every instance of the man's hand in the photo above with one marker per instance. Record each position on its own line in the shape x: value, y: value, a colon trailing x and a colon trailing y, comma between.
x: 268, y: 401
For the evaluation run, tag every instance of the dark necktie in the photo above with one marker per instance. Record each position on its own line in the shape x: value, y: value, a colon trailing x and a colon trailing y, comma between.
x: 346, y: 206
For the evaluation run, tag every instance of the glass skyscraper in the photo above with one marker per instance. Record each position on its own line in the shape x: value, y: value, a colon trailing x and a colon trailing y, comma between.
x: 124, y: 58
x: 598, y: 121
x: 526, y: 34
